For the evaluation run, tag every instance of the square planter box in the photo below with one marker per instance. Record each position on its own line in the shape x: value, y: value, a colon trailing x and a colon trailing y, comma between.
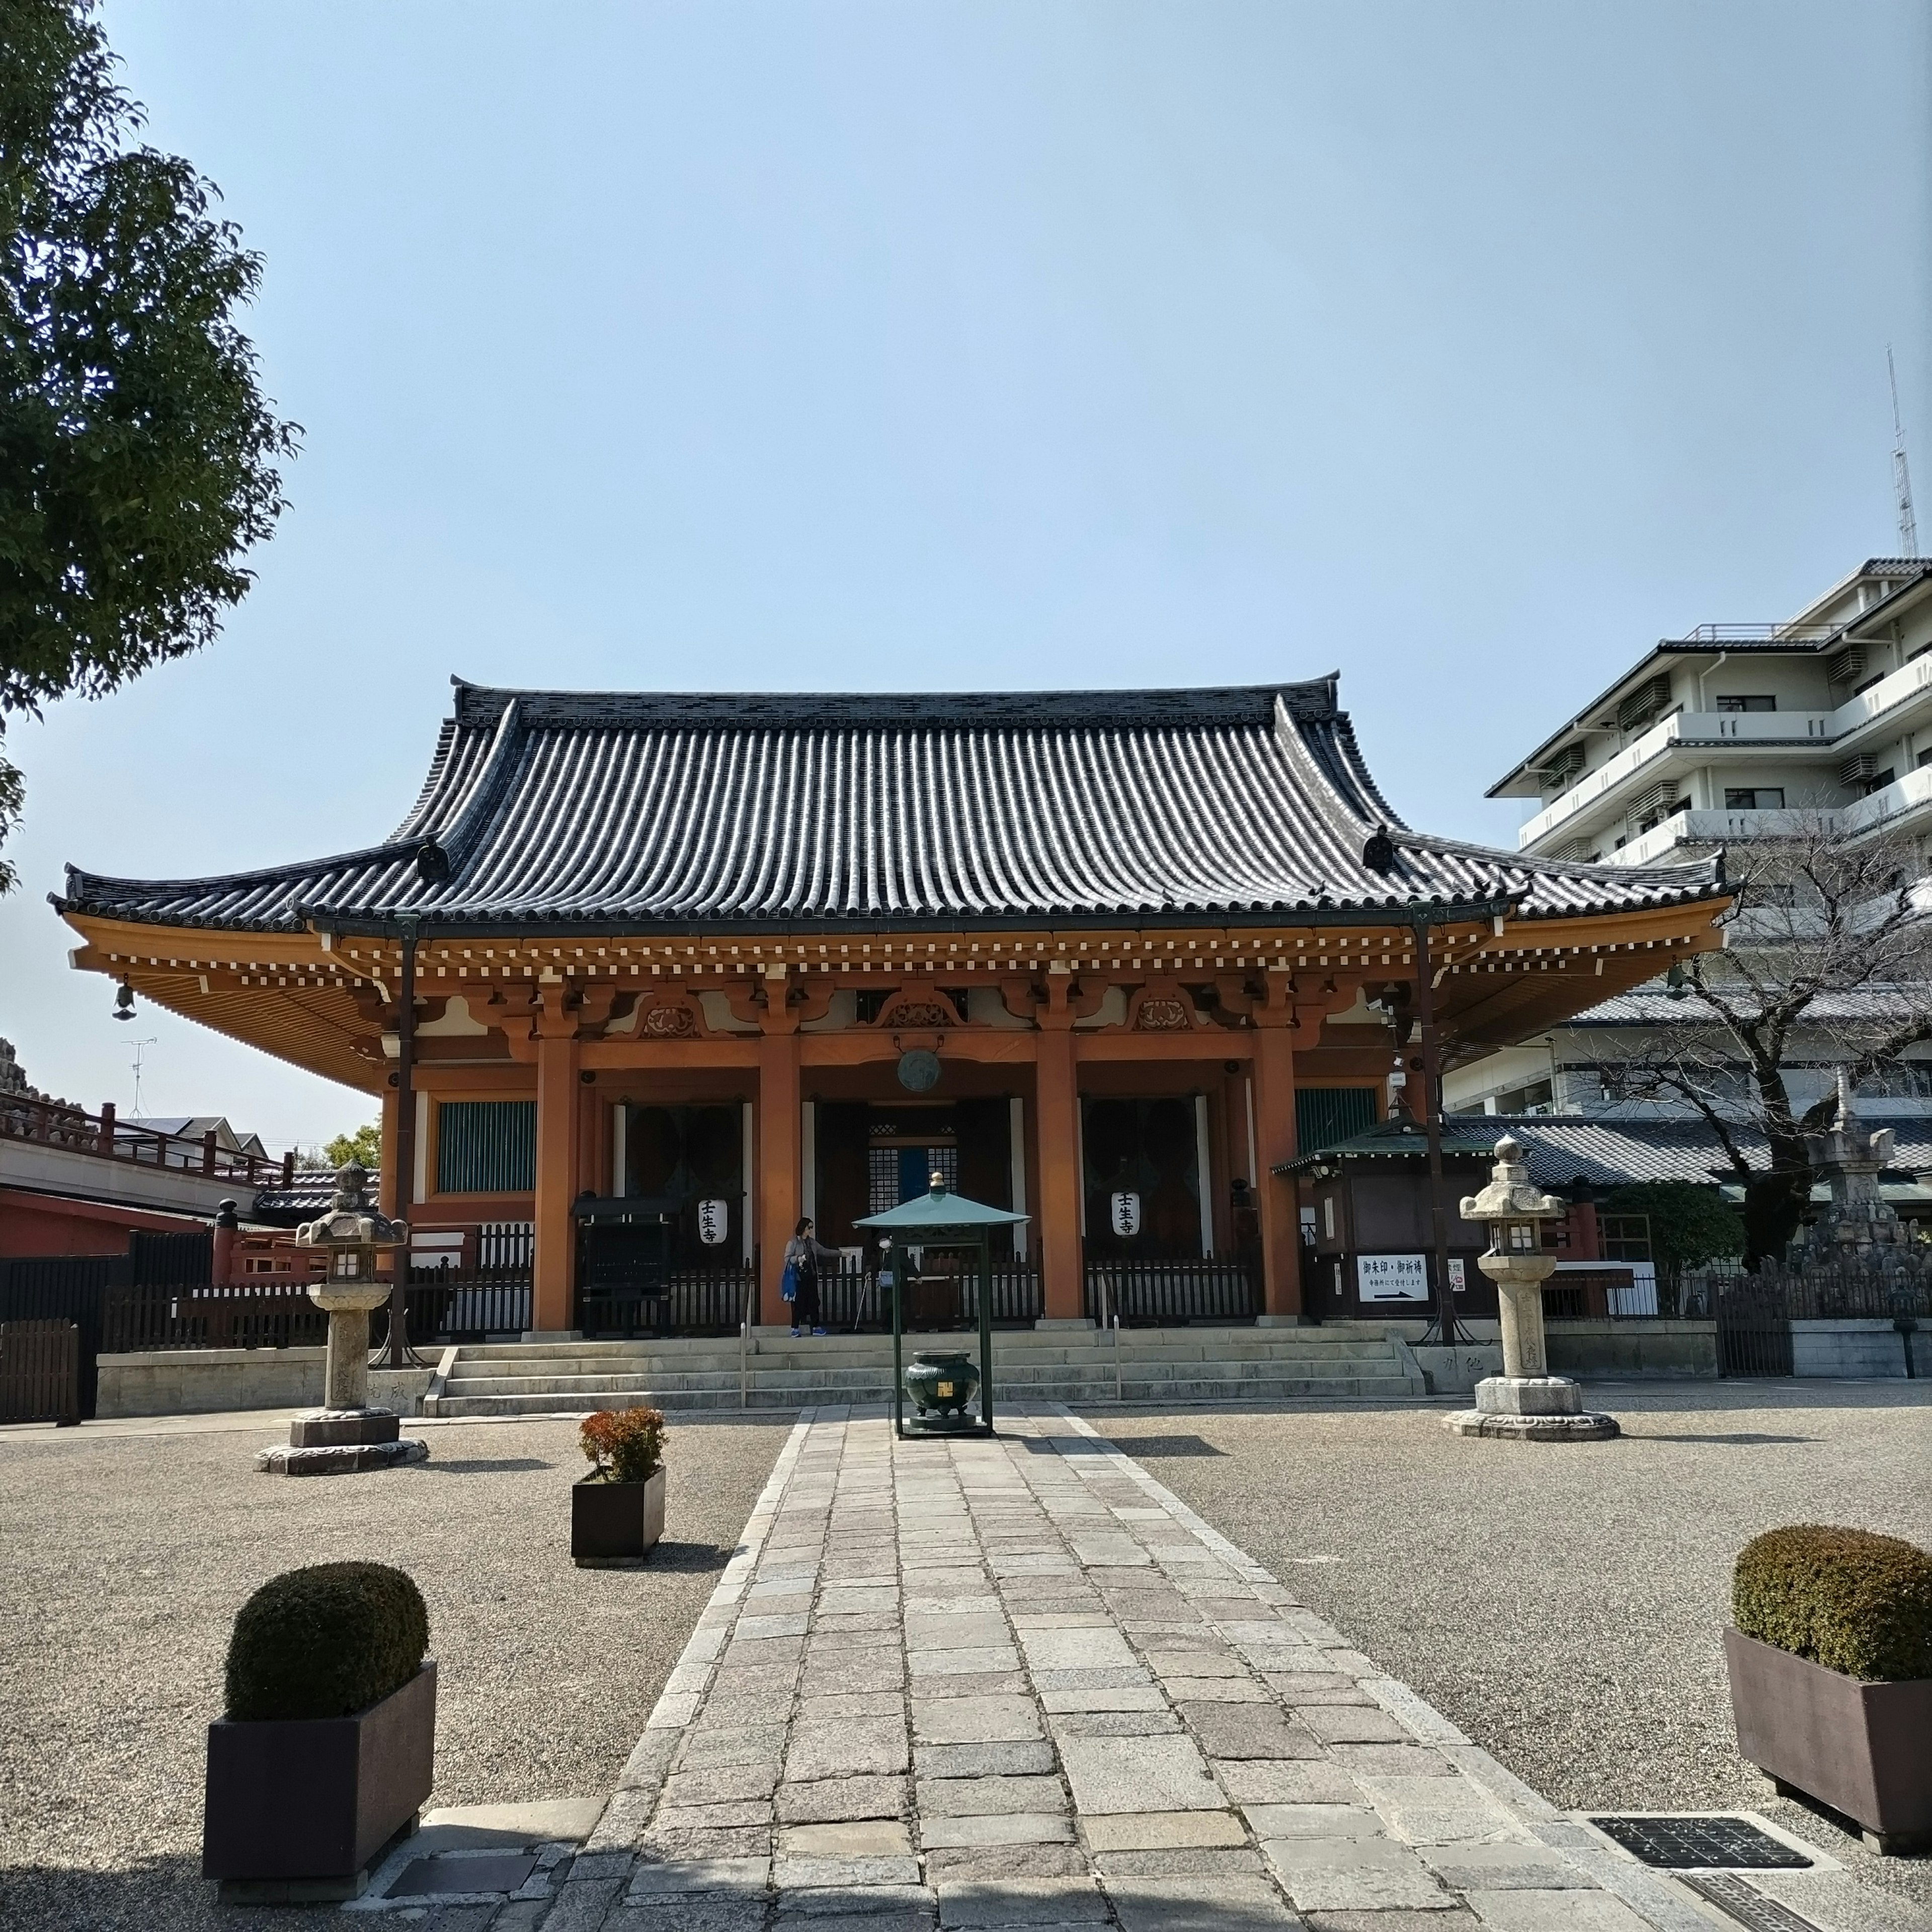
x: 299, y: 1808
x: 1865, y: 1750
x: 615, y: 1523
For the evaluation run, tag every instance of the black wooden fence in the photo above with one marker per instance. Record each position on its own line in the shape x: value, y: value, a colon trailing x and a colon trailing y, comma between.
x: 244, y: 1315
x: 40, y: 1372
x: 1166, y: 1294
x: 854, y: 1300
x: 682, y: 1301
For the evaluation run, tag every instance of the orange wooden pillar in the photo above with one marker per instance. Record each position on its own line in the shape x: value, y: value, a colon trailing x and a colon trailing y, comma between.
x: 558, y: 1114
x: 779, y: 1180
x: 389, y: 1188
x: 1279, y: 1199
x: 1056, y: 1123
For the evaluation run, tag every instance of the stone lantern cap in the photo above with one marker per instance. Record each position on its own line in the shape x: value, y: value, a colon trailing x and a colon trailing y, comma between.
x: 351, y: 1221
x: 1511, y: 1195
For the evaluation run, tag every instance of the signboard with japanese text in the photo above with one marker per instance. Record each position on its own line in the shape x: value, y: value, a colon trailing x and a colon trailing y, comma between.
x: 1392, y: 1277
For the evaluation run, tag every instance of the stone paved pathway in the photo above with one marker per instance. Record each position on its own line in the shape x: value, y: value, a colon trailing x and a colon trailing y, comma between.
x: 980, y: 1683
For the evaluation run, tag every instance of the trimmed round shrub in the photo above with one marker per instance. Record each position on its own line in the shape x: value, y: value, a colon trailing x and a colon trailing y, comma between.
x: 626, y: 1444
x: 325, y: 1641
x: 1856, y: 1602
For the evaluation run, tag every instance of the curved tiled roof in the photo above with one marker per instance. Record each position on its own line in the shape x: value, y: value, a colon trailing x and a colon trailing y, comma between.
x: 571, y: 810
x: 1561, y: 1148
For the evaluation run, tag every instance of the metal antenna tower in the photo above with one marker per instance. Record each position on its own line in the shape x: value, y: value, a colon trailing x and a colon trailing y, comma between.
x: 141, y: 1047
x: 1908, y: 524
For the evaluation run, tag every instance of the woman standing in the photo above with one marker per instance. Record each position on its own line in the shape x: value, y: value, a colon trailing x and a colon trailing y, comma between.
x: 802, y: 1257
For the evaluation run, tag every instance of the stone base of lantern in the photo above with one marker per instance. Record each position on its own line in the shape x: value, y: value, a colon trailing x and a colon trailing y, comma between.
x: 1532, y: 1408
x: 342, y: 1442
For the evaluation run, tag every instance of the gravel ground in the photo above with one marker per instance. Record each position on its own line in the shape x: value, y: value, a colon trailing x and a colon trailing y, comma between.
x: 1563, y: 1605
x: 127, y: 1555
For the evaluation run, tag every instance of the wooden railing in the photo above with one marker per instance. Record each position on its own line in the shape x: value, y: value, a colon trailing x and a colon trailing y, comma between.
x: 1155, y: 1294
x: 73, y: 1130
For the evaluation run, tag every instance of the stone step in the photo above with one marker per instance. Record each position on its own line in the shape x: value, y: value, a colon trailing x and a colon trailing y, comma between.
x: 832, y: 1350
x: 506, y: 1379
x: 1197, y: 1343
x: 1083, y: 1391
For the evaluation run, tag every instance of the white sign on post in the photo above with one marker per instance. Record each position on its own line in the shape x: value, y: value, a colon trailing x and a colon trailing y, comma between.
x: 1458, y: 1281
x: 714, y: 1223
x: 1127, y: 1214
x: 1392, y: 1277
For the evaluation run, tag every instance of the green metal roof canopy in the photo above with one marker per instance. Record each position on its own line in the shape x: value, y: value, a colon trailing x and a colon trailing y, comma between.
x: 1392, y: 1139
x: 947, y: 1220
x: 936, y: 1209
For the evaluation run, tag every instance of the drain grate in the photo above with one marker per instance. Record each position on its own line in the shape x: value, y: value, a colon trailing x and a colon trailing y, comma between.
x: 1745, y: 1903
x: 469, y: 1871
x: 1690, y: 1841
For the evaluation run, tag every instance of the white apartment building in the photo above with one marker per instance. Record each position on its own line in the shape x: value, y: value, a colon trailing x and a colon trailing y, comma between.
x: 1711, y: 736
x: 1714, y: 739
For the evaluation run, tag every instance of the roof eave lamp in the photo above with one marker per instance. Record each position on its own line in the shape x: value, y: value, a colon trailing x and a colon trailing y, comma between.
x: 941, y: 1219
x: 346, y: 1434
x: 1525, y: 1401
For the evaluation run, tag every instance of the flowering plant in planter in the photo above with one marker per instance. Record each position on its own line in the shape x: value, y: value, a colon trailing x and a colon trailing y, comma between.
x: 617, y: 1511
x: 1831, y: 1668
x: 328, y: 1746
x: 626, y: 1444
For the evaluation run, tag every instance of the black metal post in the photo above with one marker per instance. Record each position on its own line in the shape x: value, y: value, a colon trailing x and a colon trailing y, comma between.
x: 898, y: 1385
x: 399, y: 1355
x: 1432, y: 1117
x: 985, y: 1332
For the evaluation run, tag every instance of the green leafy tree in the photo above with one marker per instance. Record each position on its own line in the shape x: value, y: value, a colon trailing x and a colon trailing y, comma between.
x: 1690, y: 1225
x: 364, y: 1147
x: 136, y: 452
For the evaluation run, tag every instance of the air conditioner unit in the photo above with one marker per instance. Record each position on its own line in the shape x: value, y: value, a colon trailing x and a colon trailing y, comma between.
x: 1643, y: 703
x: 1561, y: 770
x: 1577, y: 848
x: 1659, y: 798
x: 1846, y: 666
x: 1855, y: 770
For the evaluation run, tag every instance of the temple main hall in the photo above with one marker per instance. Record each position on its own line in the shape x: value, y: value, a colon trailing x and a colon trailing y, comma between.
x: 641, y: 978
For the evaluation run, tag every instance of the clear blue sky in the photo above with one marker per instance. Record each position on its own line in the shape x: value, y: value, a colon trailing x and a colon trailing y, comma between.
x: 1469, y: 349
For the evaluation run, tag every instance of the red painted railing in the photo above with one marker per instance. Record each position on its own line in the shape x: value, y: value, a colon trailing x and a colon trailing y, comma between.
x: 52, y: 1123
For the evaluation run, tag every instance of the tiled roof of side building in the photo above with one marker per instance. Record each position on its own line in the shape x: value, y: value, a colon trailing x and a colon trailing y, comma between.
x: 566, y: 811
x: 1654, y: 1007
x: 1561, y: 1148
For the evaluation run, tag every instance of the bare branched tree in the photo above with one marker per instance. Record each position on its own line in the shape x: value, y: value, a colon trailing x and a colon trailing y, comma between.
x: 1826, y: 941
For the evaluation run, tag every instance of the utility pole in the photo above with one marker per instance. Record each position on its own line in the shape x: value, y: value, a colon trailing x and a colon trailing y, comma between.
x: 1901, y: 477
x: 398, y: 1354
x: 1431, y: 1120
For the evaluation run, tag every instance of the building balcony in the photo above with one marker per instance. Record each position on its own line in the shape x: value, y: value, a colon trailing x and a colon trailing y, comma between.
x: 1889, y: 806
x: 1832, y: 733
x: 1704, y: 730
x: 1888, y: 809
x: 1707, y: 828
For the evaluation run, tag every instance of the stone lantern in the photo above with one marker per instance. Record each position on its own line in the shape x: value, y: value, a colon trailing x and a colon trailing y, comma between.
x: 1525, y: 1401
x: 346, y: 1434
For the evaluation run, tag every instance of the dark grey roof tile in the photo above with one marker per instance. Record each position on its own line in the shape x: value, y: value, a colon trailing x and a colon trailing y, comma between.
x: 565, y: 809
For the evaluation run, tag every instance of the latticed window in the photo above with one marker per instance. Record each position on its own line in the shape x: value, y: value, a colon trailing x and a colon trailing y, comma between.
x: 486, y: 1147
x: 897, y: 1174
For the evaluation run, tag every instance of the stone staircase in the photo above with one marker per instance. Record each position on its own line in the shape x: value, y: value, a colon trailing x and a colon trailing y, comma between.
x: 1337, y: 1362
